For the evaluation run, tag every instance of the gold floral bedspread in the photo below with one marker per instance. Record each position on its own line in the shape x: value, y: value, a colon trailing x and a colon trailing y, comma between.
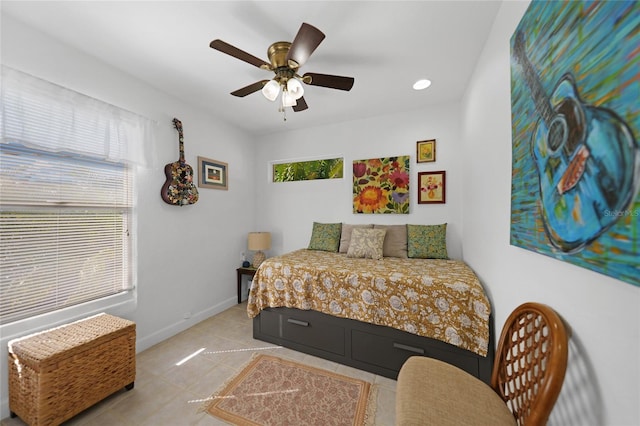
x: 441, y: 299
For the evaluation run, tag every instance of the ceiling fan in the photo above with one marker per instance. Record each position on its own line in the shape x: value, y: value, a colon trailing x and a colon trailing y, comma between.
x: 285, y: 60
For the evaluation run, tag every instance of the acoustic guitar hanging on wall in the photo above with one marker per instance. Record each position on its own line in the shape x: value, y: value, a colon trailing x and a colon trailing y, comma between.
x: 179, y: 189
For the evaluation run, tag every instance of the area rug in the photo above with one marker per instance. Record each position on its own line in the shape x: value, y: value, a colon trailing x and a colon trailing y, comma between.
x: 275, y: 391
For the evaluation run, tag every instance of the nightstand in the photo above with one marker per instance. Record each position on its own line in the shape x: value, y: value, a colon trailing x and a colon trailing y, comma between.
x: 243, y: 271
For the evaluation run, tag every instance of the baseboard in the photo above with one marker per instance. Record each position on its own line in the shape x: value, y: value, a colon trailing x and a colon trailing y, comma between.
x: 145, y: 342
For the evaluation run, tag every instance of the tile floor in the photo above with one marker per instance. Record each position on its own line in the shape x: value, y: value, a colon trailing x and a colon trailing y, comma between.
x: 171, y: 395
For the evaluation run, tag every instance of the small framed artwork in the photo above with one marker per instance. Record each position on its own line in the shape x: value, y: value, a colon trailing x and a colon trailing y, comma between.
x: 297, y: 170
x: 212, y: 174
x: 426, y: 151
x: 432, y: 187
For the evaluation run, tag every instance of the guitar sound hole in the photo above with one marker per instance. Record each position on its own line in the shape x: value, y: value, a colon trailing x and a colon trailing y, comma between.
x: 557, y: 133
x: 572, y: 115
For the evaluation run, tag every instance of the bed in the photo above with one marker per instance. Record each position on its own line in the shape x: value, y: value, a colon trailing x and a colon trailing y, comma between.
x: 373, y: 314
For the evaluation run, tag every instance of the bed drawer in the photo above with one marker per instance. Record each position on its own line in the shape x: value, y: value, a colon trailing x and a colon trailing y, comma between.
x: 314, y: 333
x: 391, y: 352
x: 305, y: 328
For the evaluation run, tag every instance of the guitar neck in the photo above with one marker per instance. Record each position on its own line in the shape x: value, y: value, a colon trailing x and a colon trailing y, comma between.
x: 181, y: 139
x: 178, y: 126
x: 539, y: 95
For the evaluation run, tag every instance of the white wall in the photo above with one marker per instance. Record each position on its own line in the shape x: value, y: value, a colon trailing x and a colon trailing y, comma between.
x: 602, y: 385
x: 186, y: 255
x: 288, y: 209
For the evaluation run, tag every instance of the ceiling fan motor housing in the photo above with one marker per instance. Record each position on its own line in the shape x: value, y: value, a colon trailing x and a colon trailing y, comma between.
x: 277, y: 54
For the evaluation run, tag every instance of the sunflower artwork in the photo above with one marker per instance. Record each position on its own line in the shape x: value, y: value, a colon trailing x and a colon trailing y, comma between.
x: 381, y: 185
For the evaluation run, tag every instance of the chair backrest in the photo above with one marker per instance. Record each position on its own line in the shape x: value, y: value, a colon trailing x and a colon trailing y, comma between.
x: 530, y: 363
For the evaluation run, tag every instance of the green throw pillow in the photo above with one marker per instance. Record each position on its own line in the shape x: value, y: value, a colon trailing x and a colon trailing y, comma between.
x: 325, y: 236
x: 427, y: 241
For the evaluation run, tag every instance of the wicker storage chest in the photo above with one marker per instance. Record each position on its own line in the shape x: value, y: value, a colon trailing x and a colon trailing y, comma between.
x: 56, y: 374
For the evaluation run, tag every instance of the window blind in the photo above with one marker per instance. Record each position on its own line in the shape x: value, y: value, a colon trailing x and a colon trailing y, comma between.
x: 64, y: 222
x: 65, y: 215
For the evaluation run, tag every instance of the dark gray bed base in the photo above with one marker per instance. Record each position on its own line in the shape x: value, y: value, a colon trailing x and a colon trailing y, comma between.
x: 377, y: 349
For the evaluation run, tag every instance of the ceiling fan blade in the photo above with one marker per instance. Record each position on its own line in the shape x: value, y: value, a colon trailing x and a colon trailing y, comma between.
x: 300, y: 105
x: 306, y: 41
x: 330, y: 81
x: 252, y: 88
x: 239, y: 54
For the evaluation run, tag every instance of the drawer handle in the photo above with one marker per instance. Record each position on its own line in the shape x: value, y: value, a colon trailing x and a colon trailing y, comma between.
x: 298, y: 322
x: 409, y: 348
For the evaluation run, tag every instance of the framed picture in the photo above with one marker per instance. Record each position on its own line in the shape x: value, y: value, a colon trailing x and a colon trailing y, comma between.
x: 212, y: 174
x: 426, y: 151
x: 432, y: 187
x: 312, y: 169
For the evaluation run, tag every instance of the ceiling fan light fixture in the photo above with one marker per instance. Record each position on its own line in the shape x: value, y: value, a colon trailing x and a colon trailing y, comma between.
x: 421, y: 84
x: 271, y: 90
x: 294, y: 87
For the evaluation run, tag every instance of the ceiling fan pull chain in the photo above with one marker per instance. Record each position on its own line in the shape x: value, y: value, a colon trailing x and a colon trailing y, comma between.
x: 283, y: 110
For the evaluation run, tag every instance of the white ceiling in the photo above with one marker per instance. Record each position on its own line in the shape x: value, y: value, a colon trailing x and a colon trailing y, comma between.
x: 385, y: 45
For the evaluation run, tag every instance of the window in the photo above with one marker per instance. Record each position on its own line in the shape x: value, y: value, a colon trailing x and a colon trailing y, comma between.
x: 64, y: 222
x: 66, y: 203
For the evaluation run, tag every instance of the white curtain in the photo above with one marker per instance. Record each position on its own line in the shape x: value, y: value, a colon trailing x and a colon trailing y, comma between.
x: 43, y: 115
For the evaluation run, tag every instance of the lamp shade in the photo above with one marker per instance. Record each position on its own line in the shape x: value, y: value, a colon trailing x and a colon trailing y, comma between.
x: 259, y: 241
x: 271, y: 90
x: 288, y: 100
x: 294, y: 87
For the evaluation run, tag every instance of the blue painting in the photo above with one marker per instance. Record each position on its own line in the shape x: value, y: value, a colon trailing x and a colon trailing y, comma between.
x: 575, y: 104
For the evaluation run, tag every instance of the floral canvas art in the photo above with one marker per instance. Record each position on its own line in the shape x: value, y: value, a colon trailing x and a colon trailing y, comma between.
x: 381, y: 185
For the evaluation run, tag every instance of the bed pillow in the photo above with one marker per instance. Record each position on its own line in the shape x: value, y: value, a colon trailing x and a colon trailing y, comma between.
x: 395, y: 241
x: 366, y: 243
x: 345, y: 237
x: 325, y: 236
x: 427, y: 241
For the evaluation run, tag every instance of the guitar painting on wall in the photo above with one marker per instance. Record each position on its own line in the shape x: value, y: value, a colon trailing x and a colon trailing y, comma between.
x: 179, y: 189
x: 575, y: 85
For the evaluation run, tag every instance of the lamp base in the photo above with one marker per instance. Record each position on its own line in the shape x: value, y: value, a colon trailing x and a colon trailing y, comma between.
x: 258, y: 258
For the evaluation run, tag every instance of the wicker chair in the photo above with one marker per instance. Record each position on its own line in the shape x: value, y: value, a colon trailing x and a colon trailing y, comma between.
x: 528, y: 372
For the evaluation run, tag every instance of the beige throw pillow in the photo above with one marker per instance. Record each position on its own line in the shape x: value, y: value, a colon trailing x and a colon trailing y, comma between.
x: 345, y: 238
x: 395, y: 241
x: 366, y: 243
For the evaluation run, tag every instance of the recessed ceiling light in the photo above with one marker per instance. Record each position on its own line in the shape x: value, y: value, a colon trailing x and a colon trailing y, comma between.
x: 421, y: 84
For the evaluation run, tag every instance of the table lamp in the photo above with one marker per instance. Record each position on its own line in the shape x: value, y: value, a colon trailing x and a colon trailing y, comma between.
x: 259, y: 241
